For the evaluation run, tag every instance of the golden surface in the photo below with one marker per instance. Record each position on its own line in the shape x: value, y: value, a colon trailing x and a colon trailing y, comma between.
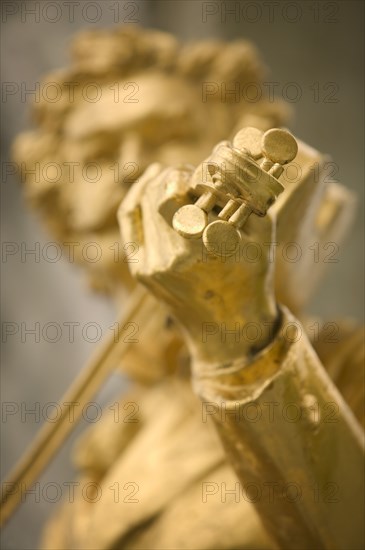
x: 242, y: 199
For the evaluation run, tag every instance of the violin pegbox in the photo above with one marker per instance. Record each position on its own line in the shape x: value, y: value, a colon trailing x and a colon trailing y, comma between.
x: 237, y: 180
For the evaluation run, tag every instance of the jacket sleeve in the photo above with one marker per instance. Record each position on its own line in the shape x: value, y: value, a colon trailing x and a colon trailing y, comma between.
x: 292, y: 440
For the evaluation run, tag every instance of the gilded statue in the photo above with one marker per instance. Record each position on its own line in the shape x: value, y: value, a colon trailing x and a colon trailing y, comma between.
x: 249, y: 427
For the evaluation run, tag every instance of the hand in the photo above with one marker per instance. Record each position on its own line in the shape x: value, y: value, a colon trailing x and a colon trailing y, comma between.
x: 209, y: 295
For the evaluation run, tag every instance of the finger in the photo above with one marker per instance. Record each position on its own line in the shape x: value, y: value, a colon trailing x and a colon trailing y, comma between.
x: 129, y: 213
x: 163, y: 246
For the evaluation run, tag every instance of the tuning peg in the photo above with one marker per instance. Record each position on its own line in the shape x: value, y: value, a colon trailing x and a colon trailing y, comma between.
x: 221, y: 238
x: 249, y: 140
x: 191, y: 220
x: 251, y: 150
x: 279, y: 147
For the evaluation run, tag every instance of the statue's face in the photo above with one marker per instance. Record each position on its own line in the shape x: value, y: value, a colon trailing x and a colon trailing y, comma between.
x: 154, y: 118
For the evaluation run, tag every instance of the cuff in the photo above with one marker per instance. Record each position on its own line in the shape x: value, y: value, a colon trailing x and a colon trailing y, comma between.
x: 242, y: 379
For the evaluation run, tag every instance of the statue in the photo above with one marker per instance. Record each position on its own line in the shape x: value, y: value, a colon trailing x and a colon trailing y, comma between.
x: 232, y: 248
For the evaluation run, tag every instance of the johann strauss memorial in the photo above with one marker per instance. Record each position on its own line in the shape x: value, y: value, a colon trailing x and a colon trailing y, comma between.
x: 214, y: 222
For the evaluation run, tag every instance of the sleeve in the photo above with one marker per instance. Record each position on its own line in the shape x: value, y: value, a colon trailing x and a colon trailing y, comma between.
x: 293, y: 441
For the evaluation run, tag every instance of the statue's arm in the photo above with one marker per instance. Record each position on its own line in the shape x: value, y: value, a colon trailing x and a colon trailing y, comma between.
x: 289, y: 434
x: 292, y: 440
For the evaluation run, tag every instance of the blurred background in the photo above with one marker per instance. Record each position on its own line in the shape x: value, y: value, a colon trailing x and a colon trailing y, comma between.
x: 307, y: 42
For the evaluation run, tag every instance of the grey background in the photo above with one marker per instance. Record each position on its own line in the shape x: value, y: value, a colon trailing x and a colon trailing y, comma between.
x: 323, y: 44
